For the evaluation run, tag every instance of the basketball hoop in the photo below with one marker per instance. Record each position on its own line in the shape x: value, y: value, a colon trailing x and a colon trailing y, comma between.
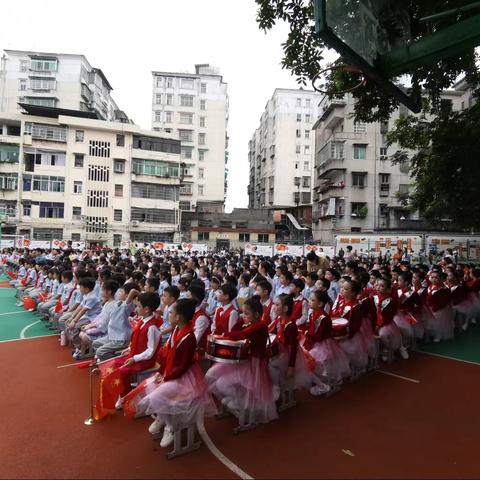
x: 340, y: 68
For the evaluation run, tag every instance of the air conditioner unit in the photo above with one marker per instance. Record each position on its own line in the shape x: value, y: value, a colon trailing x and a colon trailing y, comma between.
x: 135, y: 223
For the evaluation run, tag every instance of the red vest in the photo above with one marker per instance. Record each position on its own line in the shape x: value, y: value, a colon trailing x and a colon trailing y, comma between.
x: 297, y: 309
x: 267, y: 310
x: 139, y: 342
x: 222, y: 319
x: 202, y: 342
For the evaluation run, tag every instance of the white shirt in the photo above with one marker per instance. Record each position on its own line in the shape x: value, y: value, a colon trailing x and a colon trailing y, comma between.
x: 153, y: 337
x: 303, y: 319
x: 232, y: 320
x: 201, y: 324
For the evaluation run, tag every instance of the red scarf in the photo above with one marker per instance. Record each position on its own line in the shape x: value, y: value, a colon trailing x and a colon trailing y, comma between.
x: 313, y: 317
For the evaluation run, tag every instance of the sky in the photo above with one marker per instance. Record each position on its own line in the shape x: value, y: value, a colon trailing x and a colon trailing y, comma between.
x: 128, y: 40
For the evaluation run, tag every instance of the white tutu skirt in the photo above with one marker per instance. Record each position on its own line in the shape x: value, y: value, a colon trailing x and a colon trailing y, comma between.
x: 470, y: 307
x: 440, y: 326
x: 278, y: 365
x: 404, y: 322
x: 247, y: 384
x: 331, y: 361
x: 366, y: 331
x: 390, y: 336
x: 178, y: 402
x: 356, y: 351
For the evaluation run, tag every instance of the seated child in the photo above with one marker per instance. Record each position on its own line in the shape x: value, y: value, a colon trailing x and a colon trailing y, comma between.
x: 226, y: 316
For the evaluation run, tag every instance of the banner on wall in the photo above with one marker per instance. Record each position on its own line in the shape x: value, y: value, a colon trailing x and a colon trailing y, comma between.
x: 195, y: 247
x: 320, y: 250
x: 255, y: 249
x: 380, y: 243
x: 285, y: 249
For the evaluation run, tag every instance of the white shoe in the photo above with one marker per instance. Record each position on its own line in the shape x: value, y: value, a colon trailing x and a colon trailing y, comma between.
x: 156, y: 426
x: 119, y: 403
x: 225, y: 400
x: 167, y: 438
x: 465, y: 326
x: 404, y: 353
x: 436, y: 340
x: 385, y: 358
x: 318, y: 390
x: 276, y: 392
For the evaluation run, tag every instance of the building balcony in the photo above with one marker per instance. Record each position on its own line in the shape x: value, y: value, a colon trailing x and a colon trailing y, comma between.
x: 329, y: 185
x: 333, y: 112
x: 186, y: 190
x: 47, y: 132
x: 330, y: 163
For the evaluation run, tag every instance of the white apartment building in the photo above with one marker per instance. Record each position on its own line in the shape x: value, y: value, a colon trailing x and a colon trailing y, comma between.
x: 66, y: 175
x: 194, y: 107
x: 356, y: 187
x: 58, y: 80
x: 281, y: 150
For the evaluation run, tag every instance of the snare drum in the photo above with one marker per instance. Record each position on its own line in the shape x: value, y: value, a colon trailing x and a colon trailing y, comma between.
x: 221, y: 350
x: 340, y: 328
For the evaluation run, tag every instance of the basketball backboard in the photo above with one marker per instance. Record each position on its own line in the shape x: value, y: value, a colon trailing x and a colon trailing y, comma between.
x: 374, y: 35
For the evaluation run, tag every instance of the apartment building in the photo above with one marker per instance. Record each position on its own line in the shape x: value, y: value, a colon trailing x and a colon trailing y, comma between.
x: 281, y: 151
x: 66, y: 175
x: 57, y: 80
x: 356, y: 186
x: 194, y: 106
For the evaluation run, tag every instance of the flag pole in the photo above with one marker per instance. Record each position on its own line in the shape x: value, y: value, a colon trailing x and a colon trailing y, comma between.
x: 91, y: 419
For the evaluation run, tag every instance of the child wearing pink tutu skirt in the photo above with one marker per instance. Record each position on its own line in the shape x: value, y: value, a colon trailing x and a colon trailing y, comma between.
x: 441, y: 325
x: 246, y: 386
x: 331, y: 363
x: 290, y: 365
x: 177, y: 395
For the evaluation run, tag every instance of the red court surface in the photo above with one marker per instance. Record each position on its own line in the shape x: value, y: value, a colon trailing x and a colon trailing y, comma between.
x: 423, y: 426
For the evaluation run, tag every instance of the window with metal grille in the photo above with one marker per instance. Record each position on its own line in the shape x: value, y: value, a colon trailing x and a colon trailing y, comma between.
x: 117, y: 239
x: 359, y: 179
x: 99, y: 148
x: 119, y: 190
x: 78, y: 160
x: 243, y: 237
x: 117, y: 215
x: 153, y: 191
x: 152, y: 215
x: 47, y: 233
x: 96, y: 224
x: 98, y: 173
x: 185, y: 206
x: 119, y: 166
x: 8, y: 181
x: 186, y: 135
x: 75, y: 237
x: 186, y: 100
x: 148, y: 237
x: 202, y: 236
x: 40, y: 183
x: 51, y: 210
x: 76, y: 213
x: 97, y: 198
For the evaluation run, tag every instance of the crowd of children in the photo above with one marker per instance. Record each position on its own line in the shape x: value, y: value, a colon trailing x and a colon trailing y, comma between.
x: 309, y: 324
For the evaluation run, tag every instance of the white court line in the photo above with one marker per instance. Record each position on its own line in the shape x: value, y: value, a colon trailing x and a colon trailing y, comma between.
x: 448, y: 358
x: 398, y: 376
x: 22, y: 333
x: 12, y: 313
x: 219, y: 455
x: 22, y: 339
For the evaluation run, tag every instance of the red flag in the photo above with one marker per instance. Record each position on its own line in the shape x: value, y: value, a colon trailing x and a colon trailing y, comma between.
x: 85, y: 364
x: 58, y: 307
x: 132, y: 399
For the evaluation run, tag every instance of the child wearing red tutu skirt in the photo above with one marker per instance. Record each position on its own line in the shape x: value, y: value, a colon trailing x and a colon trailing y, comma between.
x: 246, y: 385
x: 290, y: 365
x: 331, y: 363
x: 347, y: 307
x: 177, y: 395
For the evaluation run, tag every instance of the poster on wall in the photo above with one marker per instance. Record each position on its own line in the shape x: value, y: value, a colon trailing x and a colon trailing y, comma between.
x: 320, y: 250
x: 195, y: 247
x: 285, y: 249
x: 255, y: 249
x: 379, y: 243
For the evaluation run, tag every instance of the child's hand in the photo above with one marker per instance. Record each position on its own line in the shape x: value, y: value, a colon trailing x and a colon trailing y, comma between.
x: 129, y: 362
x: 158, y: 378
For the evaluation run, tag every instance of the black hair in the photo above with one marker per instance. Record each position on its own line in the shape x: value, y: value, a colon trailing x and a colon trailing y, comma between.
x: 87, y: 282
x: 173, y: 291
x: 216, y: 280
x: 312, y: 275
x: 186, y: 308
x: 119, y: 278
x: 128, y: 287
x: 334, y: 273
x: 286, y: 301
x: 184, y: 281
x: 153, y: 282
x: 255, y: 305
x: 197, y: 293
x: 150, y: 300
x: 300, y: 284
x: 407, y: 276
x: 68, y: 274
x: 265, y: 286
x: 356, y: 287
x: 326, y: 282
x: 321, y: 296
x: 288, y: 275
x: 229, y: 290
x: 110, y: 286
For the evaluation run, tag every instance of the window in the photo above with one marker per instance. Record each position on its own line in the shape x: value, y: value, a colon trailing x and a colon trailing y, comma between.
x: 202, y: 121
x: 184, y: 206
x: 203, y: 236
x: 27, y: 209
x: 120, y: 140
x: 403, y: 188
x: 359, y: 152
x: 306, y: 166
x: 307, y: 102
x: 97, y: 198
x: 97, y: 224
x: 187, y: 83
x: 78, y: 160
x: 203, y: 88
x: 186, y: 118
x: 186, y: 100
x: 359, y: 127
x: 169, y: 99
x: 307, y: 134
x: 75, y: 237
x: 186, y: 135
x: 152, y: 215
x: 298, y: 133
x: 51, y: 210
x: 384, y: 178
x: 201, y: 138
x: 384, y: 184
x: 154, y: 191
x: 117, y: 239
x: 203, y: 104
x: 22, y: 85
x: 201, y: 173
x: 359, y: 179
x: 79, y: 136
x: 306, y: 182
x: 186, y: 152
x: 384, y: 127
x: 263, y: 238
x: 169, y: 82
x: 118, y: 190
x: 98, y: 148
x: 117, y: 215
x: 98, y: 173
x: 158, y: 116
x: 307, y: 150
x: 76, y: 213
x: 298, y: 149
x: 307, y: 118
x: 119, y: 166
x: 201, y: 190
x: 299, y: 117
x: 44, y: 65
x: 158, y: 98
x: 383, y: 153
x: 77, y: 187
x: 244, y: 237
x: 296, y: 181
x: 306, y: 197
x: 158, y: 81
x: 24, y: 65
x: 168, y: 117
x: 299, y: 102
x: 297, y: 165
x: 201, y: 155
